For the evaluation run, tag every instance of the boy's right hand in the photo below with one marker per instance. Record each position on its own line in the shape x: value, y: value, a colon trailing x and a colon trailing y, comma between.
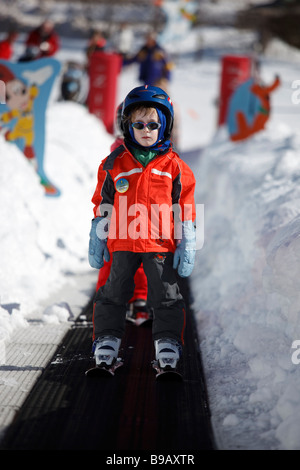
x: 97, y: 247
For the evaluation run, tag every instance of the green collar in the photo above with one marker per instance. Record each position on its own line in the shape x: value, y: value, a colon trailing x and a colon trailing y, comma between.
x: 144, y: 156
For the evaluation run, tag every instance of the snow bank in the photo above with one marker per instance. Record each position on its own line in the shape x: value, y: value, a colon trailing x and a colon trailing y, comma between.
x: 246, y: 287
x: 44, y: 239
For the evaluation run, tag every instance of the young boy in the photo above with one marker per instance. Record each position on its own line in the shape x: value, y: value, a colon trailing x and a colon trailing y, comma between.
x: 144, y: 200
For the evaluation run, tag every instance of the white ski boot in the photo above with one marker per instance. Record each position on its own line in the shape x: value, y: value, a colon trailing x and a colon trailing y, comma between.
x: 167, y: 353
x: 106, y: 350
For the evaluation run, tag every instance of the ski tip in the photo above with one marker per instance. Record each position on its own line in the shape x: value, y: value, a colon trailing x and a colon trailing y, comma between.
x: 166, y: 375
x: 144, y: 322
x: 98, y: 371
x: 169, y: 376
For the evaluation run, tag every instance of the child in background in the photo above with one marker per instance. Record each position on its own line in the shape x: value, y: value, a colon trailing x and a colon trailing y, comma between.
x: 137, y: 310
x: 145, y: 174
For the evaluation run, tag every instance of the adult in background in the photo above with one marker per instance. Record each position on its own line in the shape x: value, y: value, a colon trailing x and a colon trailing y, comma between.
x: 97, y: 42
x: 41, y: 42
x: 123, y: 40
x: 153, y: 61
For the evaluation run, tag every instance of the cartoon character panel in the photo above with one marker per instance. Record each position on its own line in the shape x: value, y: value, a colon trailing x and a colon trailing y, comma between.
x: 27, y: 87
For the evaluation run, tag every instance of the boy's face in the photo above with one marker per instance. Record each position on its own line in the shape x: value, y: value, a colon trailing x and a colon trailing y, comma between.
x: 145, y: 137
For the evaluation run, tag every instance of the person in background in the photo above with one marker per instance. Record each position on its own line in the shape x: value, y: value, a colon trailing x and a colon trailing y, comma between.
x: 96, y: 43
x: 137, y: 310
x: 175, y: 135
x: 124, y: 40
x: 119, y: 138
x: 42, y: 41
x: 153, y: 60
x: 6, y: 45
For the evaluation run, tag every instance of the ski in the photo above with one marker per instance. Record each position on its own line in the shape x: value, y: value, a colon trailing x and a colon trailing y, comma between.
x: 166, y: 374
x: 102, y: 371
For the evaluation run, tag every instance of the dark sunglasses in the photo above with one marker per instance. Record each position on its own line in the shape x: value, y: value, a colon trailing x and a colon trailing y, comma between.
x: 152, y: 126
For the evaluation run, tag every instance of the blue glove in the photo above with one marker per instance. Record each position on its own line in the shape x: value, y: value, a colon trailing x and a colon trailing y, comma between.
x: 98, y: 244
x: 184, y: 256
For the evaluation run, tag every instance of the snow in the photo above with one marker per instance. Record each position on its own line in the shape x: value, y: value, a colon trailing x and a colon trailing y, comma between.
x: 246, y: 279
x: 245, y: 283
x: 42, y: 238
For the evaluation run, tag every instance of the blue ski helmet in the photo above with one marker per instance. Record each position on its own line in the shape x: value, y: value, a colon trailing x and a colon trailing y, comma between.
x: 149, y: 96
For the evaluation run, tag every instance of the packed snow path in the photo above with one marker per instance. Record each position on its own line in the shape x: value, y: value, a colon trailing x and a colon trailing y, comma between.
x: 130, y: 411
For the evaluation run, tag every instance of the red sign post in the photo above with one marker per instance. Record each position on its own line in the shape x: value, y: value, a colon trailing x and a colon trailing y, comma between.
x: 235, y: 71
x: 104, y: 69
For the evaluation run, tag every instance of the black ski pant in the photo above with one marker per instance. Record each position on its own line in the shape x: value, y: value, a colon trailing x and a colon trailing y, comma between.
x: 163, y: 296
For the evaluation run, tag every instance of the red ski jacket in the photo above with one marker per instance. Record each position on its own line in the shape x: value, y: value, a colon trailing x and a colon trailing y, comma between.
x: 35, y: 39
x: 141, y: 200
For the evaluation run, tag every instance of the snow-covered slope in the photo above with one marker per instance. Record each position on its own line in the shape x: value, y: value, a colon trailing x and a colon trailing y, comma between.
x: 246, y: 288
x: 45, y: 239
x: 245, y: 282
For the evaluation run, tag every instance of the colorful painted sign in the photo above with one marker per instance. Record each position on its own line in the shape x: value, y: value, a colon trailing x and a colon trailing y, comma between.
x: 249, y: 109
x: 23, y: 114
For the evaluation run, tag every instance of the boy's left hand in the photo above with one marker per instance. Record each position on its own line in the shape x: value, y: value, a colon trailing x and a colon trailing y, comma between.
x: 184, y: 256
